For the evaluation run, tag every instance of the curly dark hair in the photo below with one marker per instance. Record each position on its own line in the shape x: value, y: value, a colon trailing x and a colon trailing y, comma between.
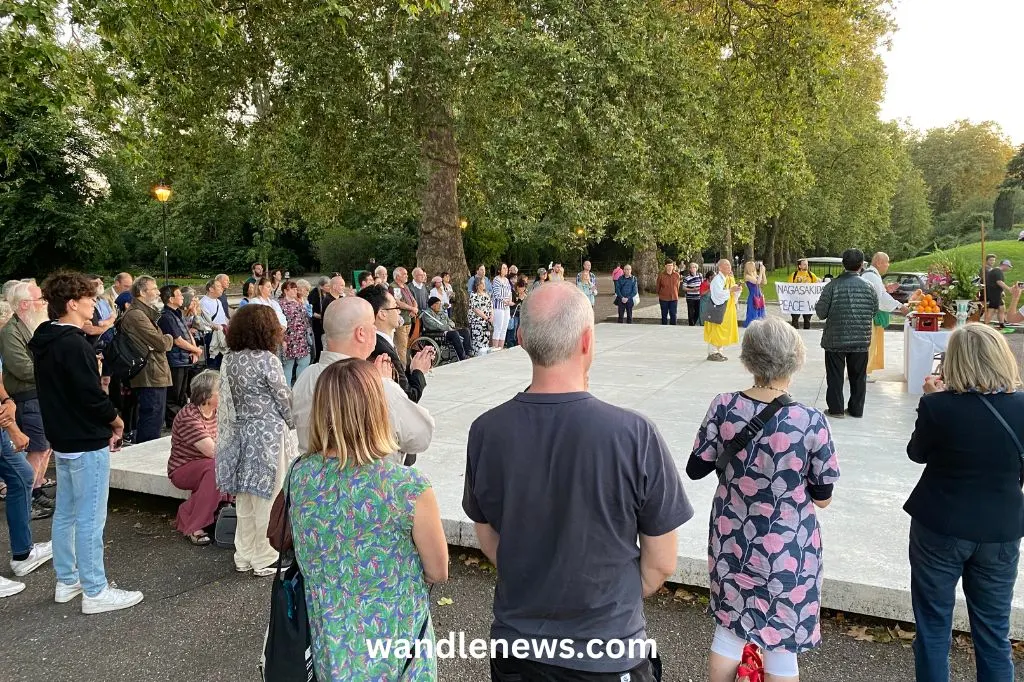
x: 61, y: 287
x: 254, y: 327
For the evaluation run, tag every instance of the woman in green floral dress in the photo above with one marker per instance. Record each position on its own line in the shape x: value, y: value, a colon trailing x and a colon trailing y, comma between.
x: 368, y: 535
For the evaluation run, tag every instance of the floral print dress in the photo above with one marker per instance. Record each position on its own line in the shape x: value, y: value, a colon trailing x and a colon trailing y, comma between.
x: 479, y: 328
x: 352, y: 529
x: 296, y: 334
x: 764, y: 553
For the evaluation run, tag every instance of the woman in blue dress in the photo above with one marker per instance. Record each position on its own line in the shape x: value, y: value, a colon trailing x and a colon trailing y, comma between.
x: 755, y: 277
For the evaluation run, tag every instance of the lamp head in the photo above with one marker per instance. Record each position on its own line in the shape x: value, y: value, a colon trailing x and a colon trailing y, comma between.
x: 162, y: 192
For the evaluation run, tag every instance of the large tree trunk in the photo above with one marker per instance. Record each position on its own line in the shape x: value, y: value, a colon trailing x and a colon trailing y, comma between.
x: 440, y: 246
x: 727, y: 241
x: 769, y: 243
x: 645, y: 266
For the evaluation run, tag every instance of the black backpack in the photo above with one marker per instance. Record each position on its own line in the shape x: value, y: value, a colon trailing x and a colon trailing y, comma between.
x: 122, y: 357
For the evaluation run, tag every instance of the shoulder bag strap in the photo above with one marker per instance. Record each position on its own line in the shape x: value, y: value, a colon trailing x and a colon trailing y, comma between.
x: 1013, y: 436
x: 750, y: 431
x: 287, y: 509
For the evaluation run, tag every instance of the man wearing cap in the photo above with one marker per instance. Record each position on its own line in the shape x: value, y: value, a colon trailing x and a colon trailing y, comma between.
x: 995, y: 285
x: 437, y: 321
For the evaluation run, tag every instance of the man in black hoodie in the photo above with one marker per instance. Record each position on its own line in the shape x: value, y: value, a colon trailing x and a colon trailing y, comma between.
x: 82, y: 426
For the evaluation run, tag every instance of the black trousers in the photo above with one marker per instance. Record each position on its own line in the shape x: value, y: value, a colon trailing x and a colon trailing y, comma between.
x: 625, y: 309
x: 521, y: 670
x: 177, y: 394
x: 837, y: 365
x: 692, y: 311
x: 461, y: 340
x: 318, y: 339
x: 796, y: 321
x: 152, y: 403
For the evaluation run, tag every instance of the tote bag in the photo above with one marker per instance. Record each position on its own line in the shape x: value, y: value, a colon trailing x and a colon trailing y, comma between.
x: 287, y: 648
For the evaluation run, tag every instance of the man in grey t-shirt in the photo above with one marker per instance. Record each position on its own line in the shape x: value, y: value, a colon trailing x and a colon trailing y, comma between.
x: 576, y: 502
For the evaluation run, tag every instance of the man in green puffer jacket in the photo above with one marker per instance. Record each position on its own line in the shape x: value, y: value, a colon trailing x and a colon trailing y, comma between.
x: 847, y: 305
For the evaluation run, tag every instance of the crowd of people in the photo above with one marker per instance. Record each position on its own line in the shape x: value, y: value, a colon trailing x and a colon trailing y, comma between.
x: 339, y: 433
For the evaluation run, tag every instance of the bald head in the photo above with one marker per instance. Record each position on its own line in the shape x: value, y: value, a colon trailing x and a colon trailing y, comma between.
x: 725, y: 266
x: 337, y: 286
x: 554, y: 321
x: 348, y: 327
x: 881, y: 262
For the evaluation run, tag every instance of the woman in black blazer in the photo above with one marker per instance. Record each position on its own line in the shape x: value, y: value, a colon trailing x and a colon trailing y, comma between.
x: 967, y: 510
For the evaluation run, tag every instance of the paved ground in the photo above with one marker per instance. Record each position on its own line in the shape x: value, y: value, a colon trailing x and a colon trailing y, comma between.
x: 202, y: 621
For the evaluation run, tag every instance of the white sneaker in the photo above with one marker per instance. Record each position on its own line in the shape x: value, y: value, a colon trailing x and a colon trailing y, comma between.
x: 264, y: 572
x: 65, y: 593
x: 871, y: 379
x: 10, y: 587
x: 40, y: 554
x: 110, y: 599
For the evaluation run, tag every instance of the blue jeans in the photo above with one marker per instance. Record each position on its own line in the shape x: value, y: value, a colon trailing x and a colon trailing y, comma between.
x: 989, y: 570
x: 296, y: 365
x: 78, y: 520
x: 668, y: 310
x: 152, y: 404
x: 17, y: 473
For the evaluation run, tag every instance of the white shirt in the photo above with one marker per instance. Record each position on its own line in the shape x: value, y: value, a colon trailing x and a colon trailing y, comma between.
x: 441, y: 294
x: 886, y: 303
x: 719, y: 294
x: 413, y: 425
x: 213, y: 309
x: 390, y: 339
x: 272, y: 303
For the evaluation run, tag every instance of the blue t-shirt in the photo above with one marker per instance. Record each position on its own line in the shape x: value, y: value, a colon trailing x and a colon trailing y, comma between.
x: 568, y: 481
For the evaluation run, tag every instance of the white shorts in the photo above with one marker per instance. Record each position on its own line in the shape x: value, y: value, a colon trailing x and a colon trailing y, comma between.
x: 501, y: 318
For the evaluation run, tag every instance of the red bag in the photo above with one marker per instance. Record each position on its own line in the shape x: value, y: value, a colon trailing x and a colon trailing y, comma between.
x: 759, y: 302
x: 751, y: 667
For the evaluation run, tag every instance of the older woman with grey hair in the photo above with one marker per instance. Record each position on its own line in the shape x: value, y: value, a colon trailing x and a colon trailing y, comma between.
x: 777, y: 465
x: 318, y: 300
x: 191, y: 465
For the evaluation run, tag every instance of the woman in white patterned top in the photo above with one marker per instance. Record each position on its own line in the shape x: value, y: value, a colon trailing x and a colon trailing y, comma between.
x: 501, y: 299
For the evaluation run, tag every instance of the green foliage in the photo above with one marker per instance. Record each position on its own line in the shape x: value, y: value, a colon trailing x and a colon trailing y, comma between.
x: 1008, y: 208
x: 1013, y: 250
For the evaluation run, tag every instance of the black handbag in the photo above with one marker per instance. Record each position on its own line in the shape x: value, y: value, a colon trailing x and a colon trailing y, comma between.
x: 749, y: 432
x: 715, y: 314
x: 224, y: 529
x: 288, y: 649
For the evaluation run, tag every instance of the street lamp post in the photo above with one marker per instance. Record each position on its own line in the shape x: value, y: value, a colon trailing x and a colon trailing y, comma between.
x: 163, y: 193
x: 580, y: 232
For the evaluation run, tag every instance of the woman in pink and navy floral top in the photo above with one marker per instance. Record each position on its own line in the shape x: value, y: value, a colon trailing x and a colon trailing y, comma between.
x: 764, y: 551
x: 295, y: 355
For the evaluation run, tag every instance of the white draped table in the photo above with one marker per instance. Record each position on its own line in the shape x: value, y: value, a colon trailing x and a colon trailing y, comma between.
x: 919, y: 349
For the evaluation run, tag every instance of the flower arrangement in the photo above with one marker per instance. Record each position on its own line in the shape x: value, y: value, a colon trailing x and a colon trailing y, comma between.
x: 951, y: 277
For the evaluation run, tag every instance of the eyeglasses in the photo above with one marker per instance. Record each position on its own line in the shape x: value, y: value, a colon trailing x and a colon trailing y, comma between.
x: 395, y: 308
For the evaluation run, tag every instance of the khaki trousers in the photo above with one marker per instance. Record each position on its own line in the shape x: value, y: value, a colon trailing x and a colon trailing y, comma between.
x: 402, y: 344
x: 252, y: 549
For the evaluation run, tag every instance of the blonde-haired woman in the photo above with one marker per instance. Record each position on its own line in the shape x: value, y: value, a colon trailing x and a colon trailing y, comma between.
x: 367, y: 532
x: 967, y: 511
x: 755, y: 278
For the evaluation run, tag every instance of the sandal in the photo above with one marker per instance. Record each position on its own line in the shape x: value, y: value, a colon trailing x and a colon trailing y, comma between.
x: 200, y: 540
x: 3, y: 491
x: 48, y: 483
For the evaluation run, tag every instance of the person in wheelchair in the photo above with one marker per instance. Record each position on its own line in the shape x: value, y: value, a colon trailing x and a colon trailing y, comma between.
x: 436, y: 321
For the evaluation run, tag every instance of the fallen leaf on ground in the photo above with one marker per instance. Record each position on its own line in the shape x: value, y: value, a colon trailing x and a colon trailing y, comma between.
x: 471, y: 560
x: 444, y: 601
x: 903, y: 634
x: 860, y: 633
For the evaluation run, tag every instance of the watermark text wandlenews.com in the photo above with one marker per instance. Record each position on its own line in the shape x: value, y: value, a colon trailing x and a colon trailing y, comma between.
x: 457, y: 645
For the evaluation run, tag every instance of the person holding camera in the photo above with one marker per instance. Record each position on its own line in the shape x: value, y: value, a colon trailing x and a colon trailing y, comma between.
x: 755, y: 278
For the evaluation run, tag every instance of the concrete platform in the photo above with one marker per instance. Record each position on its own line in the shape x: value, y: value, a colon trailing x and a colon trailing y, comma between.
x: 143, y: 469
x: 662, y: 373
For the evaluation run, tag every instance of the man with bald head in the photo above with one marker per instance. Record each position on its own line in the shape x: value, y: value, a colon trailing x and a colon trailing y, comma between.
x: 561, y: 485
x: 721, y: 327
x: 886, y: 304
x: 349, y: 332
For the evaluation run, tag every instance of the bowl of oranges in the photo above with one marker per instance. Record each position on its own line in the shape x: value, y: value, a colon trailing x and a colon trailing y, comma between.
x: 927, y: 314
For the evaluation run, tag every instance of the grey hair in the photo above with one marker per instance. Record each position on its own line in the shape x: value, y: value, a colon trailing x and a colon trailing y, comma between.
x: 18, y: 294
x: 552, y: 333
x: 772, y: 350
x: 204, y: 385
x: 211, y: 284
x: 323, y: 281
x: 8, y: 285
x: 139, y: 284
x: 187, y: 294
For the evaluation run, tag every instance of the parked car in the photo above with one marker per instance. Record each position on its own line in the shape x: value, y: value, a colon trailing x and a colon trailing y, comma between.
x: 902, y: 285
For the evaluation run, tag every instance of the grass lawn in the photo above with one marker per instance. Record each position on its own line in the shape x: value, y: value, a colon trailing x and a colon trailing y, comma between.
x: 1013, y: 250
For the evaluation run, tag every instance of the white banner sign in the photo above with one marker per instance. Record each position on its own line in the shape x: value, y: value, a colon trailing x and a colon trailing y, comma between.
x: 798, y: 299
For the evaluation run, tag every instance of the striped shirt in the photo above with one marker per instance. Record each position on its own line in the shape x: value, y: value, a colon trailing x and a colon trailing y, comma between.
x: 189, y: 428
x: 501, y: 291
x: 694, y: 282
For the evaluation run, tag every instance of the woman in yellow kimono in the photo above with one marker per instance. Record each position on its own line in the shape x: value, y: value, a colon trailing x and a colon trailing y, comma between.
x: 723, y: 331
